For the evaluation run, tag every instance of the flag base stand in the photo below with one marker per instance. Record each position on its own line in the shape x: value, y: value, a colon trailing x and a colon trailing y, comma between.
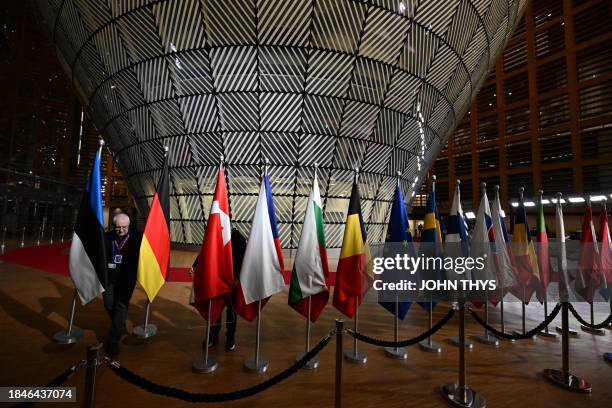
x: 520, y: 333
x: 204, y: 365
x: 68, y: 337
x: 567, y: 380
x: 466, y: 343
x: 145, y: 331
x: 462, y: 397
x: 548, y: 333
x: 256, y: 365
x: 487, y: 339
x: 310, y: 365
x: 430, y: 346
x: 398, y: 353
x: 355, y: 356
x: 597, y: 332
x: 572, y: 332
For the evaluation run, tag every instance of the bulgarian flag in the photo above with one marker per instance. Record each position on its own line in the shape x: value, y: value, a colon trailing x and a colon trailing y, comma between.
x: 261, y: 274
x: 214, y: 276
x: 352, y: 274
x: 154, y: 257
x: 310, y: 268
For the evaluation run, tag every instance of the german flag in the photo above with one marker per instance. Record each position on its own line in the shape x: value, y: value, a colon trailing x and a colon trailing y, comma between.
x: 155, y: 247
x: 352, y: 275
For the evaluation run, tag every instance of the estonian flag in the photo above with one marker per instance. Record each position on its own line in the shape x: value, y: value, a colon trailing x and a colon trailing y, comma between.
x: 87, y: 252
x: 154, y: 257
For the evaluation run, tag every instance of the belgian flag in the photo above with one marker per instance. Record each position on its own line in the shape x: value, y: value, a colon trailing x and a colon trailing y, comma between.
x: 154, y: 257
x: 354, y: 267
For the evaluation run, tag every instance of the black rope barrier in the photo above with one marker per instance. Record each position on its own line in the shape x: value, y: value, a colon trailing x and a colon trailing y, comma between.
x: 188, y: 396
x: 583, y: 322
x: 407, y: 342
x: 56, y: 382
x: 526, y: 335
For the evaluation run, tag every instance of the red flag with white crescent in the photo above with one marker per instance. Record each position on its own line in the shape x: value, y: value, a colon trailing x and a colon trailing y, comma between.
x: 214, y: 275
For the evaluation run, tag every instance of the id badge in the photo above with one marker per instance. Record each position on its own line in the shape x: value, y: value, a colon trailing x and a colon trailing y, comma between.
x: 117, y: 259
x: 112, y: 266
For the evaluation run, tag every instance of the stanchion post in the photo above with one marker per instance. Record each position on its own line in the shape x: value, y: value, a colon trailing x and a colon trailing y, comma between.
x: 93, y: 354
x: 460, y: 395
x: 339, y: 347
x: 564, y: 378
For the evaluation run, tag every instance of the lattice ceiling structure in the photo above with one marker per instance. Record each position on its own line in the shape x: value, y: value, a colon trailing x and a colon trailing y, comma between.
x: 376, y: 85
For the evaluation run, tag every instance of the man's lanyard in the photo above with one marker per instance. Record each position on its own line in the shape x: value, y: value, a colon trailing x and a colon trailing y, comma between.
x: 118, y: 247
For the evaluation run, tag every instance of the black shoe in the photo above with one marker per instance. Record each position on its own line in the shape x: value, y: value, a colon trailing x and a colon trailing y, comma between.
x: 230, y: 344
x: 112, y: 349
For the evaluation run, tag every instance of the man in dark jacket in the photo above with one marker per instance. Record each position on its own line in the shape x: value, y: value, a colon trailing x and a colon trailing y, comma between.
x: 122, y: 252
x: 238, y: 250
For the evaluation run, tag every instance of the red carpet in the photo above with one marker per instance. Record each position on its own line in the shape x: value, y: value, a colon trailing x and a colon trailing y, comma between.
x: 53, y: 258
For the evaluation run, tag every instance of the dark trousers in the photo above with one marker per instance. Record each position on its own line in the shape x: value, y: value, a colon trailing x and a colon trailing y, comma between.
x: 230, y: 324
x: 117, y: 311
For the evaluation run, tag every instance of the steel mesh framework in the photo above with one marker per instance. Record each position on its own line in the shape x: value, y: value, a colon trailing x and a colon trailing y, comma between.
x: 375, y: 85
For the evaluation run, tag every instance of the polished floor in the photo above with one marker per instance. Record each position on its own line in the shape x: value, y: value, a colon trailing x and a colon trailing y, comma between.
x: 35, y: 304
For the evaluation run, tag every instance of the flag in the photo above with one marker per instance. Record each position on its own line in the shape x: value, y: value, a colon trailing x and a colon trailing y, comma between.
x: 154, y: 260
x: 87, y: 259
x: 502, y: 252
x: 457, y: 225
x: 525, y: 258
x: 398, y: 230
x: 352, y: 274
x: 214, y: 275
x: 542, y: 240
x: 431, y: 233
x: 261, y: 274
x: 483, y: 239
x: 588, y: 278
x: 310, y: 268
x: 564, y: 280
x: 605, y: 256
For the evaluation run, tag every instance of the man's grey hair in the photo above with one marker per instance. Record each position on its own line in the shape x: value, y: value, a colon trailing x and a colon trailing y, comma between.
x: 120, y: 216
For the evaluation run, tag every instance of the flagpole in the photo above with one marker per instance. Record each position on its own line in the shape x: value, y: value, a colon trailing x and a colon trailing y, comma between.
x: 501, y: 289
x: 396, y: 352
x: 146, y: 330
x: 461, y: 395
x: 354, y: 355
x: 545, y: 332
x: 206, y: 364
x: 455, y: 340
x: 523, y: 314
x: 314, y: 362
x: 430, y: 345
x: 257, y: 363
x: 73, y: 334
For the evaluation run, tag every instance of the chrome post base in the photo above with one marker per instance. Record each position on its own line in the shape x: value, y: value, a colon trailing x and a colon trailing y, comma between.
x: 597, y: 332
x: 205, y: 366
x: 63, y: 337
x: 355, y: 356
x: 259, y: 366
x: 467, y: 343
x: 431, y: 347
x: 145, y: 332
x: 463, y: 398
x: 518, y: 333
x: 572, y: 332
x: 567, y: 380
x: 310, y: 365
x: 398, y: 353
x: 487, y: 339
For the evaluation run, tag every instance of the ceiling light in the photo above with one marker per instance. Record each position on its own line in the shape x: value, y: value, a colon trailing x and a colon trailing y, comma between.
x: 598, y: 198
x: 470, y: 215
x: 576, y: 200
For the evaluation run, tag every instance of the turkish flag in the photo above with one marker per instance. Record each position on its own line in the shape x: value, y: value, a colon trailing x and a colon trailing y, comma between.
x: 214, y: 274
